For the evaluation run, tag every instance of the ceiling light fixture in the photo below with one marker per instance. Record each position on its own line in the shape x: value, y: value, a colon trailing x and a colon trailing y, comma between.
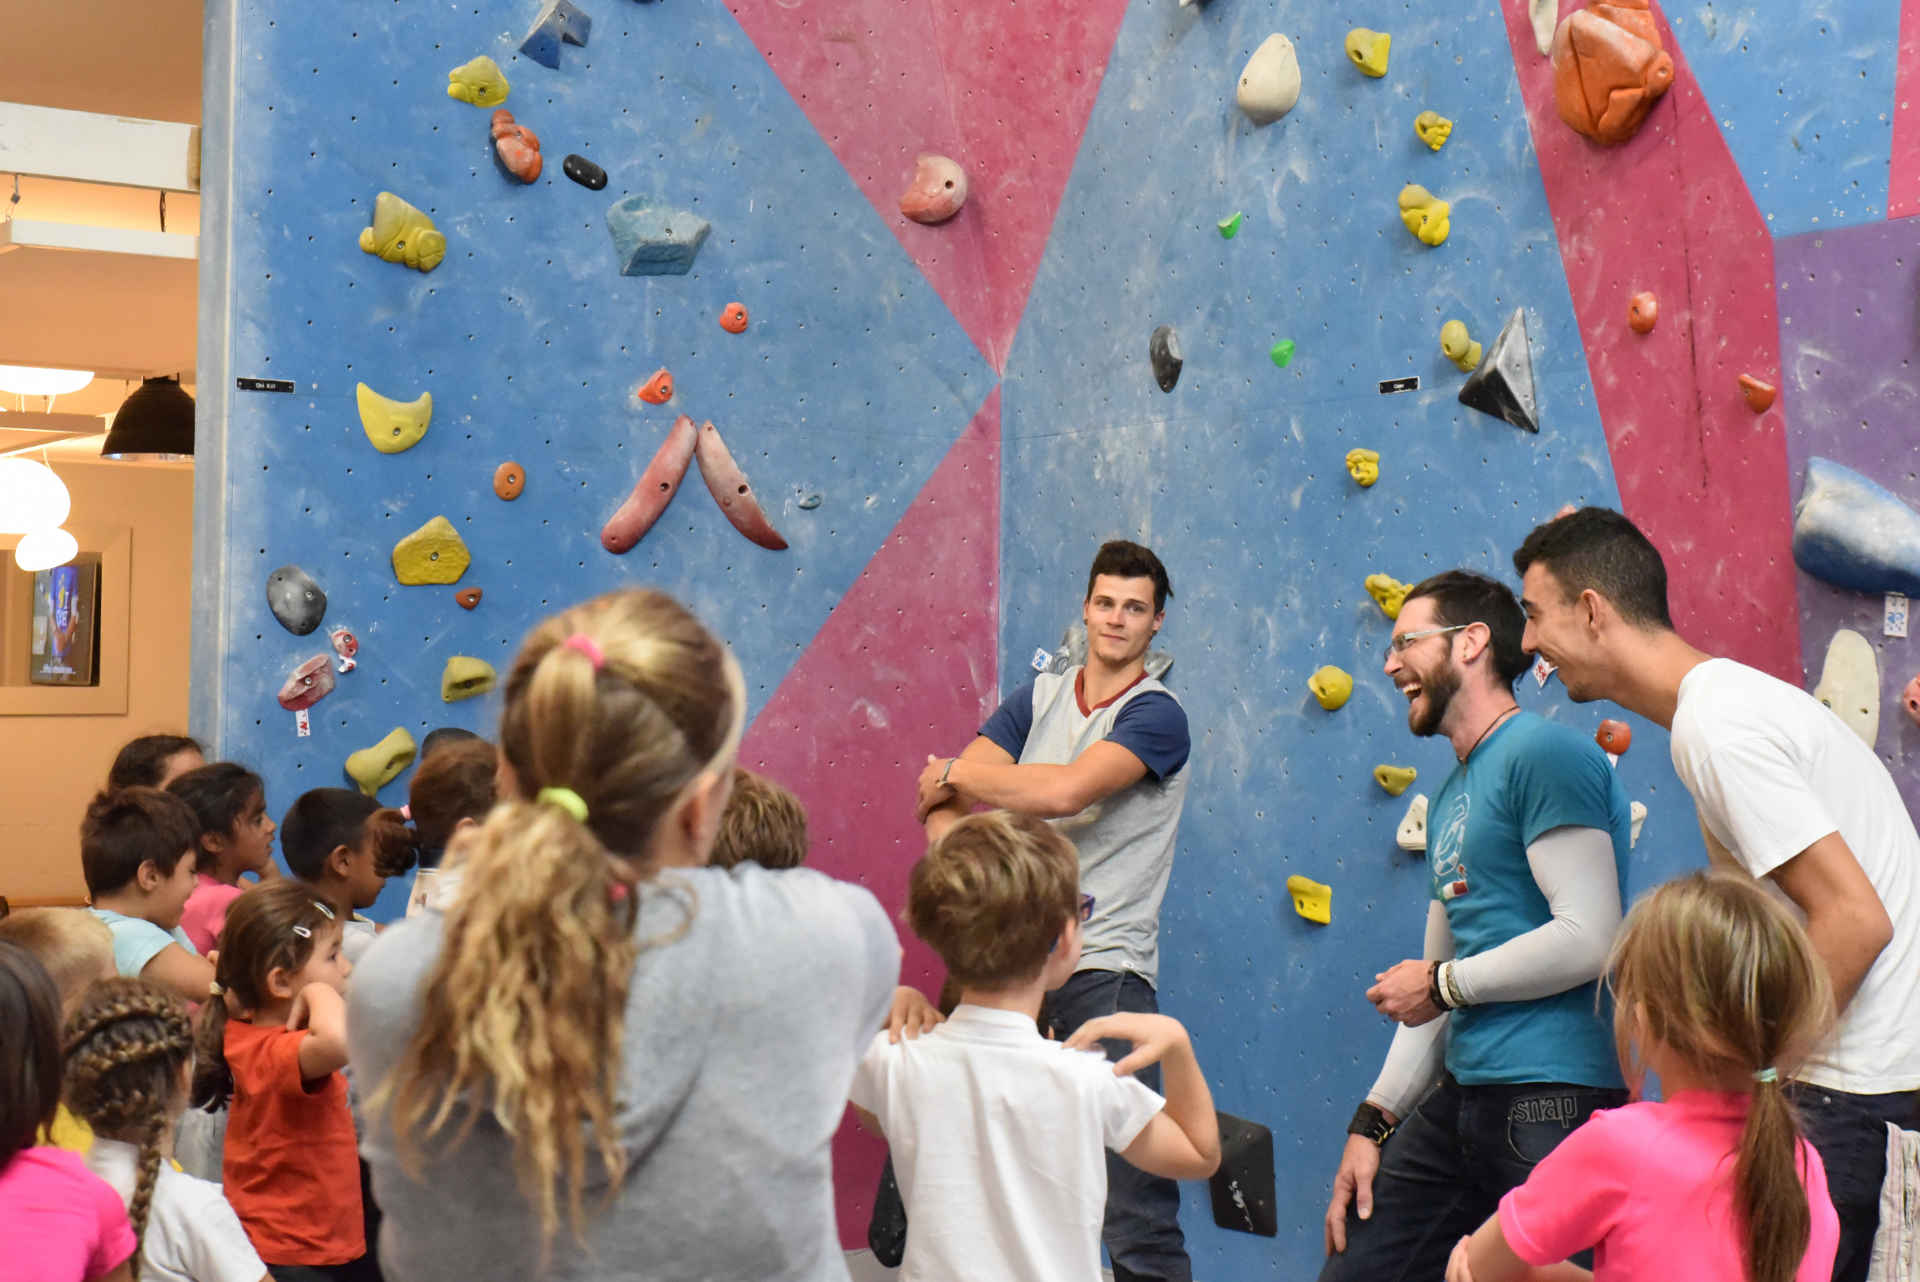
x: 31, y: 497
x: 155, y: 422
x: 34, y: 380
x: 44, y: 549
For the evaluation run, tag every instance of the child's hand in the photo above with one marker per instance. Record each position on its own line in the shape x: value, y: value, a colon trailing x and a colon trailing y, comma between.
x: 1457, y: 1269
x: 1153, y: 1038
x: 911, y: 1014
x: 316, y: 1004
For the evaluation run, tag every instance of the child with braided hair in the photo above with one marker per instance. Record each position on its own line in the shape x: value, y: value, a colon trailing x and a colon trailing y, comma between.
x: 129, y: 1068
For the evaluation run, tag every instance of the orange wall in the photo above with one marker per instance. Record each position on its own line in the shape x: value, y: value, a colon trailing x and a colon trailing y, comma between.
x: 50, y: 766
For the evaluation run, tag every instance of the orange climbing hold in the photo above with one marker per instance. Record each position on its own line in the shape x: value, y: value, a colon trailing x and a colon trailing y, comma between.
x: 1643, y: 313
x: 467, y: 597
x: 733, y: 318
x: 508, y: 480
x: 517, y: 146
x: 657, y: 390
x: 1759, y: 393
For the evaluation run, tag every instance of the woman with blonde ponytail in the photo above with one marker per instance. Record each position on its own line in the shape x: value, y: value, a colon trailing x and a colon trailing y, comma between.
x: 129, y: 1067
x: 605, y: 1059
x: 1718, y: 993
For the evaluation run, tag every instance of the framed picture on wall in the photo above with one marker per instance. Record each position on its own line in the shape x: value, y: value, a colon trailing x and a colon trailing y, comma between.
x: 65, y: 645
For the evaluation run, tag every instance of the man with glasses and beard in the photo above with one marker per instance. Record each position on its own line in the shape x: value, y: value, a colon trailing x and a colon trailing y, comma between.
x: 1499, y: 1053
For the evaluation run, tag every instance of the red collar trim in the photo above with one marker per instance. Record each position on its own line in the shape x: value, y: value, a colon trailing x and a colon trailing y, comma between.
x: 1080, y: 692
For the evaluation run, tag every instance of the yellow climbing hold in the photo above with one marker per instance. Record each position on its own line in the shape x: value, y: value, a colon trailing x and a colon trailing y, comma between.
x: 1388, y: 593
x: 376, y: 767
x: 1368, y: 50
x: 1363, y: 466
x: 402, y: 234
x: 1425, y: 214
x: 1433, y: 129
x: 1311, y: 899
x: 464, y: 677
x: 1331, y: 686
x: 393, y: 425
x: 1458, y: 347
x: 433, y: 553
x: 1395, y: 779
x: 479, y: 82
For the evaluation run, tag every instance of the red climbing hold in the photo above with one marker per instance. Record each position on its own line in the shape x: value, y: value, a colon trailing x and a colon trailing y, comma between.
x: 517, y: 146
x: 733, y: 318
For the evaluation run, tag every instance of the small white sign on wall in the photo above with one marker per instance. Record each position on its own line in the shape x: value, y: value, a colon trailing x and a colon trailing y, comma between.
x: 1894, y: 619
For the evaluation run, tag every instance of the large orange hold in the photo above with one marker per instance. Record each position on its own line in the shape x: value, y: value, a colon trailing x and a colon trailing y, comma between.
x: 517, y: 146
x: 1608, y: 70
x: 657, y: 390
x: 1614, y: 736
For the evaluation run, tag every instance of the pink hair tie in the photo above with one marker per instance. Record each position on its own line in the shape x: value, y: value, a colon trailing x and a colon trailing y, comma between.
x: 586, y: 645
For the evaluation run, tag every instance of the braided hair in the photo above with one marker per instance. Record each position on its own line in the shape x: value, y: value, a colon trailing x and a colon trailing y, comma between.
x: 128, y: 1046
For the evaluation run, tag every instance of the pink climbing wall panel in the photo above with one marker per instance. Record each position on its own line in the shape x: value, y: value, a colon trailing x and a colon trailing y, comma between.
x: 1004, y: 89
x: 1699, y: 471
x: 1903, y: 179
x: 906, y: 659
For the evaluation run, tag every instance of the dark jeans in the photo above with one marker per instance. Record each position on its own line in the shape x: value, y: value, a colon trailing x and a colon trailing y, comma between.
x: 1850, y: 1134
x: 1447, y: 1167
x: 1142, y: 1230
x: 311, y: 1272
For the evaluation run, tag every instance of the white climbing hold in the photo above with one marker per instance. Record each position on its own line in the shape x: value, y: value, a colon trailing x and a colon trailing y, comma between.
x: 1638, y: 814
x: 1411, y: 835
x: 1850, y: 683
x: 1545, y: 15
x: 1270, y: 82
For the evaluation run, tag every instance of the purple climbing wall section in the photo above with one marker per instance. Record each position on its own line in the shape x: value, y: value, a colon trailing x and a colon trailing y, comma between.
x: 1004, y: 90
x: 1853, y: 377
x: 1696, y: 468
x: 905, y: 659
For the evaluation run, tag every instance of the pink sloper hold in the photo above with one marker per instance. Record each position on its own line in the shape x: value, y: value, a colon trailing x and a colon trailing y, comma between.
x: 653, y: 491
x: 938, y: 190
x: 728, y: 485
x: 1903, y: 182
x: 1704, y: 478
x: 925, y: 668
x: 311, y: 682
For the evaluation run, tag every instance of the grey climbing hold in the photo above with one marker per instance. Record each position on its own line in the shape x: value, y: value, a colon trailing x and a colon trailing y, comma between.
x: 296, y: 600
x: 810, y: 501
x: 584, y: 172
x: 1855, y: 533
x: 653, y: 240
x: 1503, y: 385
x: 1163, y: 349
x: 560, y: 21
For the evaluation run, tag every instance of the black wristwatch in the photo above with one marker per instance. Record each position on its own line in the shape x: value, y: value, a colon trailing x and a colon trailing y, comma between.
x: 1369, y: 1121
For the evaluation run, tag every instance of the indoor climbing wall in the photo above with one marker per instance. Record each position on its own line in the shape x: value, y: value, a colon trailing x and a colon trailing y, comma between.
x: 941, y: 422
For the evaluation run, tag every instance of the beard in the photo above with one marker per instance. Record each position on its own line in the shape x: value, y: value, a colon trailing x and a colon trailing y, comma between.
x: 1437, y: 688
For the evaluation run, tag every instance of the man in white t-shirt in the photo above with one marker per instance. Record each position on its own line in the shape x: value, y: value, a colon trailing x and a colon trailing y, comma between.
x: 1785, y: 790
x: 1000, y: 1136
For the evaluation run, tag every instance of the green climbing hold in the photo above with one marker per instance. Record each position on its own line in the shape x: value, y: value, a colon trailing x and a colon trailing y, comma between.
x: 1282, y: 353
x: 1230, y: 225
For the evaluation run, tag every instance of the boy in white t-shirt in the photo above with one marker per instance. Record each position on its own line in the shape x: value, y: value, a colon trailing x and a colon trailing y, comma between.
x: 999, y: 1136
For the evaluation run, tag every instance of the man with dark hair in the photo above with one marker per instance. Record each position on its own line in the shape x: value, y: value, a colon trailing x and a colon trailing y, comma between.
x: 1500, y: 1053
x: 1100, y: 749
x: 1785, y: 790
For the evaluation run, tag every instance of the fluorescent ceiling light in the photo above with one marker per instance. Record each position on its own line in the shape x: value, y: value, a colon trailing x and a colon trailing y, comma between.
x: 34, y: 380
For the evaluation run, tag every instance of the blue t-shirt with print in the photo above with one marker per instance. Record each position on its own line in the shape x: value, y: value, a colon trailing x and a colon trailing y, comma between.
x: 1529, y: 777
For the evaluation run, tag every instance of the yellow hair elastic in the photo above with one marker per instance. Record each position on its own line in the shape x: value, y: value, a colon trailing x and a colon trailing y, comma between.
x: 566, y: 799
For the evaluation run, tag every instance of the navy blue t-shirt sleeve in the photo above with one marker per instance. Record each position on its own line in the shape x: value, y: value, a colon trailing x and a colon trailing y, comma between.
x: 1153, y: 727
x: 1012, y: 721
x: 1561, y: 780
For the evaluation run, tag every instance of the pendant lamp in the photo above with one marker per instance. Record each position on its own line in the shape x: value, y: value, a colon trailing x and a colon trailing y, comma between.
x: 155, y: 422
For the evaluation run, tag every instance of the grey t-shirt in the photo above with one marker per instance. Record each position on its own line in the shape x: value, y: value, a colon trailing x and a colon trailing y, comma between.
x: 741, y: 1040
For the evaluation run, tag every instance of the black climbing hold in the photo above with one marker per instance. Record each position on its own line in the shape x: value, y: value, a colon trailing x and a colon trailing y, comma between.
x: 296, y: 600
x: 584, y: 172
x: 1503, y: 385
x: 1242, y: 1188
x: 1163, y: 349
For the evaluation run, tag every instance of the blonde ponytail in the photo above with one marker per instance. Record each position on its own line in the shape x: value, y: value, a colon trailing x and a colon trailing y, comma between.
x: 622, y: 703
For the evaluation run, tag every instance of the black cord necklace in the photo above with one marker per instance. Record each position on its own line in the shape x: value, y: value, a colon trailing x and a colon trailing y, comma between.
x: 1489, y: 730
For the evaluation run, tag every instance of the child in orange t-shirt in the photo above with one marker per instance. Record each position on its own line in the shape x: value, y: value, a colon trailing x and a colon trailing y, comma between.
x: 274, y: 1040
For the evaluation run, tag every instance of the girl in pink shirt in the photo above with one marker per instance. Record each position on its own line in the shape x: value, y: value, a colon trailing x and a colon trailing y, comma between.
x: 1718, y: 992
x: 236, y: 838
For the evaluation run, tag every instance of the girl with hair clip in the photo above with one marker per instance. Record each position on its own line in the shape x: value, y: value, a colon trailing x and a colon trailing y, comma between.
x: 273, y: 1042
x: 58, y: 1221
x: 1718, y: 993
x: 600, y: 1029
x: 129, y: 1074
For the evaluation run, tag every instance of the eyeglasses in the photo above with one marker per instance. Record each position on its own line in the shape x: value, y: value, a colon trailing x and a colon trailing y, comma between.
x: 1086, y: 908
x: 1399, y: 644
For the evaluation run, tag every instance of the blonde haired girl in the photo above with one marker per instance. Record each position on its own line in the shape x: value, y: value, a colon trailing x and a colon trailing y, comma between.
x: 1718, y: 992
x: 600, y: 1028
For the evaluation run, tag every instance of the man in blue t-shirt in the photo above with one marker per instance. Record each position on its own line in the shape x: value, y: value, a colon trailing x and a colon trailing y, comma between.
x: 1500, y: 1052
x: 1100, y: 750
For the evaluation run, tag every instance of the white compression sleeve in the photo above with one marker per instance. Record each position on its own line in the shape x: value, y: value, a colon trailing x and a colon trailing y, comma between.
x: 1575, y: 870
x: 1418, y: 1054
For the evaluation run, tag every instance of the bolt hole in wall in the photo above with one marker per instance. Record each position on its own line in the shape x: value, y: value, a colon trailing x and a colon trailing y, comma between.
x: 874, y: 350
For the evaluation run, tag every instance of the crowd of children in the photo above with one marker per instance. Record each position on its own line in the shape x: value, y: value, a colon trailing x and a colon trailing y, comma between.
x: 619, y: 1025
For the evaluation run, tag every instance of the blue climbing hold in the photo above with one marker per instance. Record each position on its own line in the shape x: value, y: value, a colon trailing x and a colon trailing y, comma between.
x: 1855, y: 533
x: 560, y: 21
x: 653, y: 240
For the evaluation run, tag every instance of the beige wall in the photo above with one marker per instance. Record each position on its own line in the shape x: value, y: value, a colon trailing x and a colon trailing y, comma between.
x: 51, y: 765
